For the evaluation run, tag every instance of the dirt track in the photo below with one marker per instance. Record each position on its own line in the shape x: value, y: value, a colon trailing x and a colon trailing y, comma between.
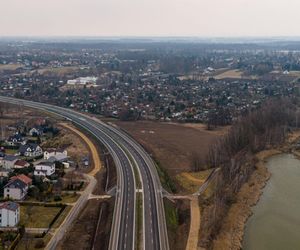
x: 195, y: 224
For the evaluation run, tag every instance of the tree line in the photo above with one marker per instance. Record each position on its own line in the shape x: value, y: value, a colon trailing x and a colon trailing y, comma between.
x: 234, y: 154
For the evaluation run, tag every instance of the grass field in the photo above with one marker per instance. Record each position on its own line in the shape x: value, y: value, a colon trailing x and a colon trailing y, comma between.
x: 11, y: 151
x: 37, y: 216
x: 69, y: 198
x: 29, y: 242
x: 62, y: 216
x: 192, y: 181
x: 171, y: 216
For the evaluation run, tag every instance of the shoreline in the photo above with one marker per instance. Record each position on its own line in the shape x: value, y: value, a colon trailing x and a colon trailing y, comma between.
x: 232, y: 230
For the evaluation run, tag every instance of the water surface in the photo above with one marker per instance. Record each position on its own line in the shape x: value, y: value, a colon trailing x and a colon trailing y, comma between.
x: 275, y: 224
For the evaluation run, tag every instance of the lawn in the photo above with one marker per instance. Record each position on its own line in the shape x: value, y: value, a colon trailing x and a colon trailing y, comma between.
x: 171, y: 216
x: 37, y: 216
x: 65, y: 198
x: 69, y: 198
x: 11, y: 151
x: 30, y: 242
x: 61, y: 218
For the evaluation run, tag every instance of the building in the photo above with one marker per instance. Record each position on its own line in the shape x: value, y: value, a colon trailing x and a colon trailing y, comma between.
x: 21, y: 164
x: 24, y: 178
x: 59, y: 155
x: 15, y: 140
x: 83, y: 81
x: 37, y: 131
x: 15, y: 189
x: 9, y: 161
x: 31, y: 150
x: 9, y: 214
x: 2, y: 155
x: 5, y: 172
x: 44, y: 169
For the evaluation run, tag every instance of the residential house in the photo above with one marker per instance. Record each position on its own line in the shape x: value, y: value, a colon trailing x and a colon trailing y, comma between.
x: 2, y: 154
x: 36, y: 131
x: 59, y: 155
x: 21, y: 164
x: 44, y: 169
x: 16, y: 140
x: 15, y: 189
x: 60, y: 159
x: 24, y: 178
x: 31, y: 150
x: 5, y: 172
x: 9, y: 161
x: 9, y: 214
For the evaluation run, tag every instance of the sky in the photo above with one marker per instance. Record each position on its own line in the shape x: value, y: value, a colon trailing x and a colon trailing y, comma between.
x: 197, y: 18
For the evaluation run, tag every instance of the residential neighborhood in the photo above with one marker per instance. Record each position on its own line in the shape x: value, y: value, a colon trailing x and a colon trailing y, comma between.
x: 34, y: 174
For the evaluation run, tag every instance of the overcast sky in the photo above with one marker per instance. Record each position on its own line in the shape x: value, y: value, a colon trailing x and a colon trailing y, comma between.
x: 208, y: 18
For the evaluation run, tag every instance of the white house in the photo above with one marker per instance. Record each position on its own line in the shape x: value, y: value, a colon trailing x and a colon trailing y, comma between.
x: 9, y: 214
x: 59, y: 155
x: 9, y: 161
x: 15, y: 189
x: 35, y: 132
x: 5, y: 172
x: 2, y: 155
x: 44, y: 169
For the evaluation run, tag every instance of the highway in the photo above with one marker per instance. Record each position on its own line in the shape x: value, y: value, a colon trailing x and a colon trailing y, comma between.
x: 123, y: 228
x: 155, y: 233
x: 122, y: 147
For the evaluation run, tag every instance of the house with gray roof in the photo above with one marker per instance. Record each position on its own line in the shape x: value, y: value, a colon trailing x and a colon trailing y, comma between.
x: 30, y: 150
x: 9, y: 214
x: 16, y: 139
x: 15, y: 189
x: 9, y: 161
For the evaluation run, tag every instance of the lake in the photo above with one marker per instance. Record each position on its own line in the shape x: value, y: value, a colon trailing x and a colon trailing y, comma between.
x: 275, y: 223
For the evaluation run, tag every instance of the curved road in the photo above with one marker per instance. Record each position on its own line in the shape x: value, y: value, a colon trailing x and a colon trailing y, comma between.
x: 123, y: 228
x: 122, y: 147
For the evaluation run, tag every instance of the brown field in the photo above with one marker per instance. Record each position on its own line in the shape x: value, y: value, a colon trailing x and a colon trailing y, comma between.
x: 59, y: 71
x: 97, y: 166
x: 15, y: 114
x: 76, y: 147
x: 230, y: 74
x: 82, y: 231
x: 172, y: 144
x: 233, y: 74
x: 10, y: 67
x: 37, y: 216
